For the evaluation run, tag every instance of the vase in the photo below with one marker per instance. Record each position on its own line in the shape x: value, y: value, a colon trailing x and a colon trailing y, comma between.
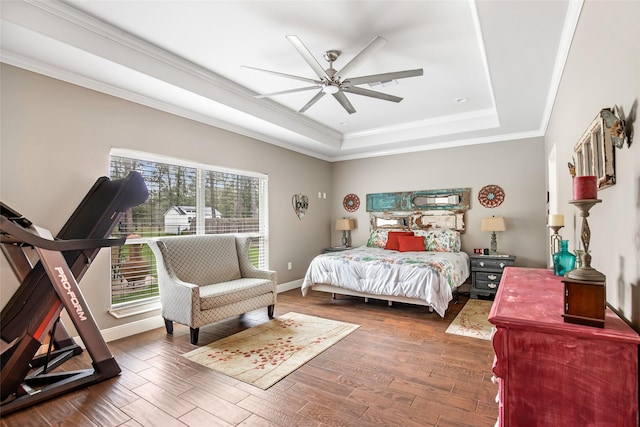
x: 563, y: 260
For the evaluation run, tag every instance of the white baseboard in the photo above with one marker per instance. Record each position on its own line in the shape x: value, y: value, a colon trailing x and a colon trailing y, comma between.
x: 132, y: 328
x: 283, y: 287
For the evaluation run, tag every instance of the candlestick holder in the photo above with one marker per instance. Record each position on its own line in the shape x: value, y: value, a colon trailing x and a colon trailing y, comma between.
x: 585, y: 272
x: 555, y: 238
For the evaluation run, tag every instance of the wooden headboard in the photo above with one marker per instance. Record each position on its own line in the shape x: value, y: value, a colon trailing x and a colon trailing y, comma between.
x: 419, y: 220
x: 419, y: 210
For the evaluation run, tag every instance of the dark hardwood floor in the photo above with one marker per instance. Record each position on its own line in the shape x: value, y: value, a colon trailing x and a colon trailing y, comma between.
x: 399, y: 368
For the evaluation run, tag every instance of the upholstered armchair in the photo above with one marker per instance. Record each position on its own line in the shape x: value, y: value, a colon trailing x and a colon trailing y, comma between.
x: 206, y: 278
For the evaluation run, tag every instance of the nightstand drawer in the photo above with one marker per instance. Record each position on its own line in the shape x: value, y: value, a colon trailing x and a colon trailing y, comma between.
x: 488, y: 276
x: 486, y: 284
x: 491, y: 264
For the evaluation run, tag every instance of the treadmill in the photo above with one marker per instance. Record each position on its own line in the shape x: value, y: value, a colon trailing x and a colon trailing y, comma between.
x: 34, y: 341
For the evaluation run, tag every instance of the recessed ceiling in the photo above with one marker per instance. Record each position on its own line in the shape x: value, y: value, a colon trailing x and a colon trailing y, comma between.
x: 491, y: 68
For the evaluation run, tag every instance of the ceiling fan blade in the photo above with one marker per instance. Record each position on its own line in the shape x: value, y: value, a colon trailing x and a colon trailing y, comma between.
x: 342, y: 99
x: 384, y: 77
x: 308, y: 57
x: 368, y: 50
x: 290, y: 76
x: 372, y: 93
x: 300, y: 89
x: 313, y: 100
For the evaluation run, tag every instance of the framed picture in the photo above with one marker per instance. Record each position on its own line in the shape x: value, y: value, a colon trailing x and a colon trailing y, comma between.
x: 595, y: 153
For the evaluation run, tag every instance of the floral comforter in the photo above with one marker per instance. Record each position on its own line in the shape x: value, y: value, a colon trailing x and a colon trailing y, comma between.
x: 428, y: 276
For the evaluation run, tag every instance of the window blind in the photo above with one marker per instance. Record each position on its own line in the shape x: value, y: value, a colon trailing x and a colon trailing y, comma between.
x: 184, y: 198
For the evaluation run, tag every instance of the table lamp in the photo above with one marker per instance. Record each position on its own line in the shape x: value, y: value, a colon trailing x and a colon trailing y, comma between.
x: 345, y: 225
x: 493, y: 224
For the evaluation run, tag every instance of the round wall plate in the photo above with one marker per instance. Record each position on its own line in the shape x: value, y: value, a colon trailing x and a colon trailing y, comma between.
x: 491, y: 196
x: 351, y: 202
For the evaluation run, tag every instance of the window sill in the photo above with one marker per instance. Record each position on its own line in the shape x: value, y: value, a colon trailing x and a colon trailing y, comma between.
x: 134, y: 310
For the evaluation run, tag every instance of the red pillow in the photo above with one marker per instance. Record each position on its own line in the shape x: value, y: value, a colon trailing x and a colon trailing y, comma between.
x: 410, y: 243
x: 392, y: 239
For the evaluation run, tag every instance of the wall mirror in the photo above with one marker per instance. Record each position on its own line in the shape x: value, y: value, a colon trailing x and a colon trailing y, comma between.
x: 595, y: 154
x: 390, y: 221
x: 420, y: 220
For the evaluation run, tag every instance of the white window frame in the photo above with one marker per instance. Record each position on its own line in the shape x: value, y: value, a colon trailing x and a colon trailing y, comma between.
x: 147, y: 304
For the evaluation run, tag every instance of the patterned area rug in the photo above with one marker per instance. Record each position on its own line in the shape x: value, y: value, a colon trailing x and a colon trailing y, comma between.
x: 472, y: 320
x: 266, y: 353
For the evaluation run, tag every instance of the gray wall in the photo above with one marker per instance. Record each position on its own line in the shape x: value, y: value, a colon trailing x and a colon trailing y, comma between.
x: 603, y: 69
x: 56, y: 139
x: 516, y: 166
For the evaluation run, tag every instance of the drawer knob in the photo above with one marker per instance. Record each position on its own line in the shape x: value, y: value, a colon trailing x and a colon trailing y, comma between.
x: 492, y: 277
x: 502, y: 265
x: 492, y: 285
x: 481, y: 263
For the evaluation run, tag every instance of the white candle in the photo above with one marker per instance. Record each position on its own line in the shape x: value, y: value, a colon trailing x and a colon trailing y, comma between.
x: 556, y: 220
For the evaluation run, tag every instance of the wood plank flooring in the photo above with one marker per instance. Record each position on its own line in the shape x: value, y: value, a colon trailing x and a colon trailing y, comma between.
x: 399, y: 368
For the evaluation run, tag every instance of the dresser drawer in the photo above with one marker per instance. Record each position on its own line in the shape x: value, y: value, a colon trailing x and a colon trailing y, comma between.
x: 491, y: 264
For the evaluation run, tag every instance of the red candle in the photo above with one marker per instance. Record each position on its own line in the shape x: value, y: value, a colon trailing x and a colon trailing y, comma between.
x: 585, y: 187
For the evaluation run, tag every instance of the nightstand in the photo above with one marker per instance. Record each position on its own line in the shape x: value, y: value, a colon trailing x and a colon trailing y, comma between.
x: 336, y: 249
x: 486, y: 272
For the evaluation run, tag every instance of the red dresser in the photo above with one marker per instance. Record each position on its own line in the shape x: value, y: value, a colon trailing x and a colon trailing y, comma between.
x: 552, y: 373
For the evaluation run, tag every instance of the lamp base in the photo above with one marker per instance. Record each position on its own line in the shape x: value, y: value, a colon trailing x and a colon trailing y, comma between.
x: 345, y: 241
x: 494, y: 244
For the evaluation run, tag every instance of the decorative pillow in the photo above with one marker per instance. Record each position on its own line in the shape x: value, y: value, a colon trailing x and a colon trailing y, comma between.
x: 377, y: 239
x: 392, y: 239
x: 441, y: 240
x: 410, y: 243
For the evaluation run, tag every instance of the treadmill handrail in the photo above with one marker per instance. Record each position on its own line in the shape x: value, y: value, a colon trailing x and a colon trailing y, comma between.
x: 13, y: 233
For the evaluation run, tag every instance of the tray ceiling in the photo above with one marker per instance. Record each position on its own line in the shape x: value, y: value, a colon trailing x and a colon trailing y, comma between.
x: 491, y: 68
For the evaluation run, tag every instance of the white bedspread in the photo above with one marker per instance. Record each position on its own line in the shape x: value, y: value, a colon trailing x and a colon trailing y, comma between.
x: 428, y: 276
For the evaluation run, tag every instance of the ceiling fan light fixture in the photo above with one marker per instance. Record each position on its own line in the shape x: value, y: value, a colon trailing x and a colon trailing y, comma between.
x: 330, y: 89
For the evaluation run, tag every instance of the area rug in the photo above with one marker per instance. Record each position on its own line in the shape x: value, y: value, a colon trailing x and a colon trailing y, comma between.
x: 472, y: 320
x: 266, y: 353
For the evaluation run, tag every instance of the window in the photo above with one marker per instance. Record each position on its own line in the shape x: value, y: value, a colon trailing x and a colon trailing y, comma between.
x: 184, y: 198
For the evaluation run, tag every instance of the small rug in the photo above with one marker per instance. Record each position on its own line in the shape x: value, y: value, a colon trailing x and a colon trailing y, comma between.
x: 266, y: 353
x: 472, y: 320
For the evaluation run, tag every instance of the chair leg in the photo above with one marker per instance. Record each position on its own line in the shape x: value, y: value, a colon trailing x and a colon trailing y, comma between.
x: 270, y: 311
x: 193, y: 333
x: 168, y: 324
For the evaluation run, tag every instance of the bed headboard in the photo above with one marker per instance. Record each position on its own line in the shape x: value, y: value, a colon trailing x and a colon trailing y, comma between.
x: 419, y: 210
x: 419, y: 220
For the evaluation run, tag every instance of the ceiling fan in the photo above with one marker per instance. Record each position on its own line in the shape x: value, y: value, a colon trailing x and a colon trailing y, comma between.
x: 337, y: 83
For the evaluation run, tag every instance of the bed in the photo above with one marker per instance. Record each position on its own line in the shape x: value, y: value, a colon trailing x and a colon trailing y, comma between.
x: 424, y: 278
x: 425, y: 271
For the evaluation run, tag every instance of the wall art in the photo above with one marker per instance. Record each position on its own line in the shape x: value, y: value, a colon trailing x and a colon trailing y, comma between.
x: 491, y: 196
x: 300, y: 204
x: 594, y: 151
x: 351, y: 202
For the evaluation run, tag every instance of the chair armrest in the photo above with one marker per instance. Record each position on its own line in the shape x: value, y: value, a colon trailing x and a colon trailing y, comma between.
x: 243, y: 242
x: 178, y: 298
x: 261, y: 274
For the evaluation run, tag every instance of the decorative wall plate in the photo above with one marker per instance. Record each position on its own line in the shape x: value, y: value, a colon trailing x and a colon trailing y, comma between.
x: 491, y: 196
x: 351, y: 202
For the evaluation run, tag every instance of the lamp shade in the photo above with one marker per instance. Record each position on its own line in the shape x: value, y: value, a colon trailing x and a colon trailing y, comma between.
x: 494, y: 223
x: 345, y: 224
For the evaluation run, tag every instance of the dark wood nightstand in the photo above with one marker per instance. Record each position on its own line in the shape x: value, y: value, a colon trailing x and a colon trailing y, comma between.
x: 486, y: 272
